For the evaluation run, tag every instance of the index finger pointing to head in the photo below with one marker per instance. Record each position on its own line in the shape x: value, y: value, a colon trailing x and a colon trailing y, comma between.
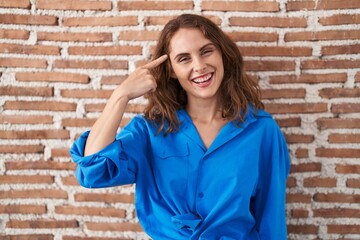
x: 156, y: 62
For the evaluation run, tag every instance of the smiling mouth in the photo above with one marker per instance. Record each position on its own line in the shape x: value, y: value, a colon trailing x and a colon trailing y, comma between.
x: 203, y: 79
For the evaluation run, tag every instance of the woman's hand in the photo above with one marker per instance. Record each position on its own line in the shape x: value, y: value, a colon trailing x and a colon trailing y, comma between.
x: 141, y: 81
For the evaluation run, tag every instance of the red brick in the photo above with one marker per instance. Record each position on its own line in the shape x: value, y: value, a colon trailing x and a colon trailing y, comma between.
x: 28, y: 237
x: 299, y: 213
x: 347, y: 169
x: 302, y: 229
x: 306, y: 167
x: 23, y: 209
x: 37, y: 105
x: 264, y: 65
x: 276, y: 51
x: 14, y: 34
x: 157, y: 20
x: 40, y: 165
x: 113, y: 80
x: 15, y: 4
x: 101, y: 21
x: 35, y: 134
x: 106, y: 50
x: 25, y: 119
x: 309, y: 78
x: 78, y: 122
x: 344, y: 138
x: 93, y: 64
x: 339, y: 93
x: 321, y: 4
x: 289, y: 122
x: 357, y: 77
x: 334, y: 50
x: 104, y: 198
x: 74, y: 37
x: 60, y: 152
x: 255, y: 6
x: 18, y: 149
x: 93, y: 211
x: 333, y: 123
x: 132, y: 35
x: 73, y: 5
x: 323, y: 35
x: 155, y: 5
x: 42, y: 223
x: 299, y: 138
x: 28, y: 19
x: 302, y: 153
x: 298, y: 198
x: 336, y: 197
x: 279, y: 22
x: 340, y: 19
x: 343, y: 229
x: 315, y: 182
x: 291, y: 182
x: 337, y: 213
x: 22, y: 62
x: 52, y: 77
x: 338, y: 152
x: 330, y: 64
x: 275, y: 108
x: 29, y: 49
x: 162, y: 20
x: 253, y: 36
x: 86, y: 93
x: 345, y: 107
x: 353, y: 183
x: 124, y: 226
x: 28, y: 179
x: 26, y: 91
x: 282, y: 93
x: 94, y: 107
x: 70, y: 181
x: 37, y: 193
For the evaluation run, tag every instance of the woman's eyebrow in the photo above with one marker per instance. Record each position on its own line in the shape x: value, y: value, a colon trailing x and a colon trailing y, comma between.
x: 187, y: 54
x: 206, y: 45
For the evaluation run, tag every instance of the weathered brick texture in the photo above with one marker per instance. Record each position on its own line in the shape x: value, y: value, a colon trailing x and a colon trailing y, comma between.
x: 61, y: 59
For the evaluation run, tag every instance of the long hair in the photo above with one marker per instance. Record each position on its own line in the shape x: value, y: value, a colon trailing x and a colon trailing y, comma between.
x: 237, y: 90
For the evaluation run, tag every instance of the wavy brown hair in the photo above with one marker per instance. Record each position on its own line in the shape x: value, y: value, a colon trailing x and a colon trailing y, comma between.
x: 237, y: 89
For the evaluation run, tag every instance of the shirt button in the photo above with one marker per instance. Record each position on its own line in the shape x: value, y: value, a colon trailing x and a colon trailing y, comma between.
x: 200, y: 195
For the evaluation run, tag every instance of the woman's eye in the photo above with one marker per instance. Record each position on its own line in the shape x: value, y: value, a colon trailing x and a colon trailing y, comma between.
x: 183, y: 59
x: 207, y: 51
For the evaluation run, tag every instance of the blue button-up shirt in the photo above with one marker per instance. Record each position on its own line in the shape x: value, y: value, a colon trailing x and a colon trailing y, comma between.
x: 235, y: 189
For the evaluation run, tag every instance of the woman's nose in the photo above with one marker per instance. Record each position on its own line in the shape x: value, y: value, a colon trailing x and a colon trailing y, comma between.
x: 199, y: 65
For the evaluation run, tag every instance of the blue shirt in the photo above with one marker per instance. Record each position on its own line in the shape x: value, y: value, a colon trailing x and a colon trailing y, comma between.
x: 235, y: 189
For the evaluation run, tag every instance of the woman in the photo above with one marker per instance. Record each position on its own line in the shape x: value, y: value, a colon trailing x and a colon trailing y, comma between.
x: 207, y: 161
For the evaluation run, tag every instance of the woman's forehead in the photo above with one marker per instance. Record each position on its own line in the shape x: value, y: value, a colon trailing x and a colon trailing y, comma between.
x: 187, y: 40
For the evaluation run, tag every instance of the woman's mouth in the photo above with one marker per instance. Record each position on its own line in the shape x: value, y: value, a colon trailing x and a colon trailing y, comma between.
x: 204, y: 80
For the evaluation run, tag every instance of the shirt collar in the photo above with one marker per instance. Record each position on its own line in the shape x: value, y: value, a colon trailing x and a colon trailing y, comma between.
x: 229, y: 131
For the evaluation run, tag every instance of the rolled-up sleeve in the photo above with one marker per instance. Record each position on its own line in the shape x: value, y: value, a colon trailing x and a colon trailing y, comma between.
x: 114, y: 165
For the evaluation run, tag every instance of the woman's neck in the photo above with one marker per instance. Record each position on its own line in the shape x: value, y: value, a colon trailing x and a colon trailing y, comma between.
x: 204, y: 111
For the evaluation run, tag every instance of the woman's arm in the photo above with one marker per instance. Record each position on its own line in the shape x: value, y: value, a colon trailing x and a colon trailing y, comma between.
x: 270, y: 199
x: 137, y: 84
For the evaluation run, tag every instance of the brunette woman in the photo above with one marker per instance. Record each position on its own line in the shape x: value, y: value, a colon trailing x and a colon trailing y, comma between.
x: 208, y: 162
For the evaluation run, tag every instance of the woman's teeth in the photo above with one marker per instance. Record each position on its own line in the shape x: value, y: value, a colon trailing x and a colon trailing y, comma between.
x: 203, y: 78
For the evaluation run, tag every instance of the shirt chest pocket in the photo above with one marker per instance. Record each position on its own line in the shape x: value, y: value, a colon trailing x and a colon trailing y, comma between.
x: 171, y: 168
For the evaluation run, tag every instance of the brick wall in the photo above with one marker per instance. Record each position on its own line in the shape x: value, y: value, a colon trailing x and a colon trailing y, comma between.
x: 61, y: 59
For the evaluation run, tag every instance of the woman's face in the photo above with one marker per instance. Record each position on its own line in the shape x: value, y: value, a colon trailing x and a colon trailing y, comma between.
x: 196, y: 63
